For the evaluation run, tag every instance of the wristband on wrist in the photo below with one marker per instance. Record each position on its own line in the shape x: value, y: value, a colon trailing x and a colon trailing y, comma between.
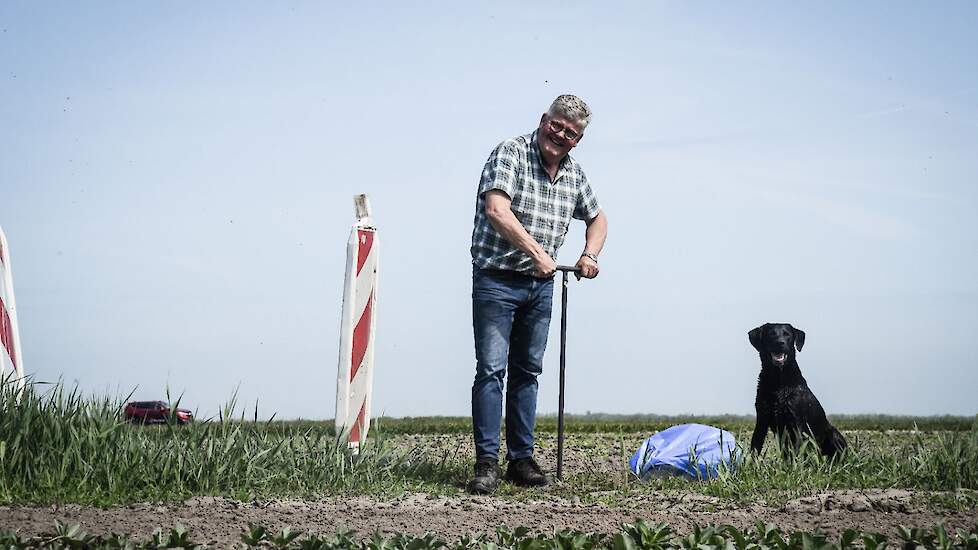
x: 593, y: 257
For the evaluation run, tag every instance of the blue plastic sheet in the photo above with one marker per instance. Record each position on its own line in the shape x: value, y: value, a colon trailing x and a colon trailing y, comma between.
x: 692, y: 450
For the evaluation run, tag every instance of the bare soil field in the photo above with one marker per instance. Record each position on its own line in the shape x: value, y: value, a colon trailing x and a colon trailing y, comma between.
x: 219, y: 521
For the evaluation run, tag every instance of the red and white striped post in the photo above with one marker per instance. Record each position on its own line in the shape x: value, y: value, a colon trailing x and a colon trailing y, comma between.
x: 10, y: 354
x: 355, y: 371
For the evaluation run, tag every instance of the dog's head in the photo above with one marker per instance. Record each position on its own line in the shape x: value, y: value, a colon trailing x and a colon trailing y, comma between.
x: 777, y: 342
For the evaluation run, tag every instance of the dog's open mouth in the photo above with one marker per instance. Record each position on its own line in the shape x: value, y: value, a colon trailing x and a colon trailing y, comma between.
x: 779, y: 358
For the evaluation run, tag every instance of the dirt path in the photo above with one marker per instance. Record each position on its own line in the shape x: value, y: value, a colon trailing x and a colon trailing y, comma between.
x: 219, y: 522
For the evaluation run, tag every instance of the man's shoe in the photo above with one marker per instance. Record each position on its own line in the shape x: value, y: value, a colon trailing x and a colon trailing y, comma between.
x: 486, y: 477
x: 526, y: 472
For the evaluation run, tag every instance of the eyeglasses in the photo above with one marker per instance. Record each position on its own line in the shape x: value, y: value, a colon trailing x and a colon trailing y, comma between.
x: 557, y: 128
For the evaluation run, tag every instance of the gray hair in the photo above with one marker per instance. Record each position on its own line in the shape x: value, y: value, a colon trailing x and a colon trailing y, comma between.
x: 572, y: 107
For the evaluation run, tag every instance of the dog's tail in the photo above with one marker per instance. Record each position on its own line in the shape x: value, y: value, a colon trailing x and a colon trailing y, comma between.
x: 833, y: 443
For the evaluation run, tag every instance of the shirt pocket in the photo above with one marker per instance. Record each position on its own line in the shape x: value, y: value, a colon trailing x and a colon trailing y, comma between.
x: 526, y: 202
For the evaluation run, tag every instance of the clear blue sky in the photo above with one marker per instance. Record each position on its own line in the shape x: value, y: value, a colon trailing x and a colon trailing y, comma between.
x: 176, y: 184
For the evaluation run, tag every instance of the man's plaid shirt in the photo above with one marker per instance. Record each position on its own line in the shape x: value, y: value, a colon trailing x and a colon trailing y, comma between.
x: 544, y: 208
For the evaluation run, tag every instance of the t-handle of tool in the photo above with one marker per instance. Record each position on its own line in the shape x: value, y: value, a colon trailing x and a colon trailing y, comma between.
x: 563, y: 362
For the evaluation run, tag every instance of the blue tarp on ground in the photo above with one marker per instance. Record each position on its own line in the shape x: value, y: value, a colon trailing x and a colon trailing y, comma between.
x: 693, y: 450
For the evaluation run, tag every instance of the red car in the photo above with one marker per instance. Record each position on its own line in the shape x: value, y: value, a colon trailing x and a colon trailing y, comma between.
x: 152, y: 412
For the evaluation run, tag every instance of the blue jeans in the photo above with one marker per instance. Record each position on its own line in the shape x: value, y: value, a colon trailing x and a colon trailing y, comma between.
x: 511, y: 320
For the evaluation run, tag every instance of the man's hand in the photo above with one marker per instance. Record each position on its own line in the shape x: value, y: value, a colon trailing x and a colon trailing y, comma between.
x: 588, y: 268
x: 544, y: 266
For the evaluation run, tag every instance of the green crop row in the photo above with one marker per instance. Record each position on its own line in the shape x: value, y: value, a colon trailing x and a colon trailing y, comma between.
x: 602, y: 423
x: 631, y: 536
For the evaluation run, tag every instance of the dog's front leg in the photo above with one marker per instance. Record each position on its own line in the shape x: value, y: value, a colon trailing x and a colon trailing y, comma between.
x: 760, y: 432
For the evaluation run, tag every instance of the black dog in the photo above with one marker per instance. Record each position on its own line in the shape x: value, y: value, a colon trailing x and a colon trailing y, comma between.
x: 784, y: 403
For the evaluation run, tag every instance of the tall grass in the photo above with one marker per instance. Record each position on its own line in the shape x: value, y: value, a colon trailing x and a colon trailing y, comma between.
x: 57, y: 446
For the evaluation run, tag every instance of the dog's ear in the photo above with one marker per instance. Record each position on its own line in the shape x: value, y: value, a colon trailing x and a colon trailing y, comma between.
x: 755, y: 337
x: 799, y: 337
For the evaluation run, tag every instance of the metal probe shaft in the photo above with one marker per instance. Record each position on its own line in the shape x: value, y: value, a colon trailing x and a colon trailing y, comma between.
x: 563, y: 363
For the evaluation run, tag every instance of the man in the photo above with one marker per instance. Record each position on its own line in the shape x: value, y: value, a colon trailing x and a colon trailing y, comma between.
x: 529, y: 191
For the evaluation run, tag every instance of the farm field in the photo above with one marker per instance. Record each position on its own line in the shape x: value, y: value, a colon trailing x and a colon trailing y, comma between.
x: 65, y: 458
